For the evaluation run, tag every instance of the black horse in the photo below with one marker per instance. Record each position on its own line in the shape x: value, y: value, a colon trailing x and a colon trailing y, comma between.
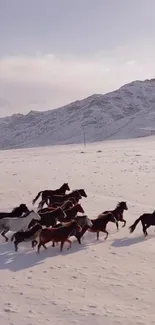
x: 66, y: 205
x: 147, y: 220
x: 76, y: 194
x: 48, y: 219
x: 16, y: 212
x: 98, y: 225
x: 118, y: 212
x: 47, y: 193
x: 27, y: 235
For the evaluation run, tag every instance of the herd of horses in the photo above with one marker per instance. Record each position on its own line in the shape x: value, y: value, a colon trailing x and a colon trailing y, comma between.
x: 59, y: 220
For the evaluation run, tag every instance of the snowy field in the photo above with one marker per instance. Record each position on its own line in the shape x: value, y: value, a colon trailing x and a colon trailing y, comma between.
x: 97, y: 283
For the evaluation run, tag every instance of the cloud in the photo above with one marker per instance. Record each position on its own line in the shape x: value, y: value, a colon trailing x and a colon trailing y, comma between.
x: 48, y: 81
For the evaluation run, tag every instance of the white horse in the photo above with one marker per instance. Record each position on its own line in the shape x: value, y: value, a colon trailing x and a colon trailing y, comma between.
x: 17, y: 224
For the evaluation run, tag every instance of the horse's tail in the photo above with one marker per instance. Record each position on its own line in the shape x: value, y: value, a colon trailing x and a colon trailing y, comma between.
x: 36, y: 198
x: 12, y: 237
x: 133, y: 227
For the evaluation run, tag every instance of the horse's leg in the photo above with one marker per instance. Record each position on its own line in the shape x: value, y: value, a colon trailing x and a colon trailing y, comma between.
x: 38, y: 249
x: 70, y: 243
x: 124, y: 223
x: 39, y: 245
x: 97, y: 235
x: 16, y: 245
x: 117, y: 225
x: 53, y: 245
x: 34, y: 243
x: 122, y: 220
x: 106, y: 232
x: 78, y: 238
x: 61, y: 246
x: 144, y: 228
x: 3, y: 234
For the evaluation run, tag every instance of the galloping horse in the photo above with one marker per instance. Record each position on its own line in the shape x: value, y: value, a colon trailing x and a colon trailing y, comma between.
x: 60, y: 234
x: 98, y: 224
x: 68, y: 204
x: 16, y: 212
x: 117, y: 212
x: 147, y: 220
x: 76, y: 194
x: 71, y: 213
x: 48, y: 193
x: 49, y: 218
x: 17, y: 224
x: 27, y: 235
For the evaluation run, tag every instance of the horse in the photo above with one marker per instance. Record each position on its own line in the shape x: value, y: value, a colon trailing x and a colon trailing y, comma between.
x: 118, y: 212
x: 17, y: 224
x: 62, y: 198
x: 60, y: 234
x: 16, y: 212
x: 49, y: 219
x: 98, y: 224
x: 72, y: 201
x: 27, y: 235
x: 147, y: 220
x: 83, y: 221
x: 68, y: 204
x: 47, y: 193
x: 71, y: 213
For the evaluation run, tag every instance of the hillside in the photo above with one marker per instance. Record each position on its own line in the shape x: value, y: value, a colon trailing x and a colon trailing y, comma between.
x: 125, y: 113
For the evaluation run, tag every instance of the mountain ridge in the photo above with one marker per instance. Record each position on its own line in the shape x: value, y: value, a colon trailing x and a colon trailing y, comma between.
x: 127, y: 112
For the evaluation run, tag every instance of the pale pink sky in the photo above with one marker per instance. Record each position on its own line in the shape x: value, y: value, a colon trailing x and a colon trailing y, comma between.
x: 56, y: 51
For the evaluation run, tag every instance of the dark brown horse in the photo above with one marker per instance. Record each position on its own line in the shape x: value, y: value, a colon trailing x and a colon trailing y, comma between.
x: 62, y: 198
x: 147, y: 220
x: 59, y: 204
x: 117, y: 212
x: 47, y: 193
x: 83, y: 221
x: 58, y: 235
x: 16, y: 212
x: 27, y: 235
x: 98, y: 225
x: 71, y: 213
x: 68, y: 204
x: 48, y: 219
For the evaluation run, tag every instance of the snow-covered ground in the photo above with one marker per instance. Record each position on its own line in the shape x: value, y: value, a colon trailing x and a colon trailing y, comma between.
x: 96, y: 283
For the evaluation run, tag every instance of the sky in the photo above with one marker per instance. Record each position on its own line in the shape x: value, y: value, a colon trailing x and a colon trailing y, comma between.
x: 53, y: 52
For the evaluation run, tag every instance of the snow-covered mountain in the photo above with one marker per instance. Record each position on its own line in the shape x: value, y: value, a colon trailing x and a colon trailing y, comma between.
x: 125, y: 113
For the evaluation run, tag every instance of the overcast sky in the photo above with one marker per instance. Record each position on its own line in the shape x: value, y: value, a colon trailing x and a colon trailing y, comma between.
x: 53, y: 52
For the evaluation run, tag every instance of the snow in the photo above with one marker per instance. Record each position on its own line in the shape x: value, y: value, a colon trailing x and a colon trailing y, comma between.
x: 109, y: 282
x: 125, y: 113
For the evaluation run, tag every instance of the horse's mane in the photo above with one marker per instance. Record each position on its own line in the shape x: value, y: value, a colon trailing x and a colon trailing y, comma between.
x: 119, y: 204
x: 64, y: 184
x: 14, y: 209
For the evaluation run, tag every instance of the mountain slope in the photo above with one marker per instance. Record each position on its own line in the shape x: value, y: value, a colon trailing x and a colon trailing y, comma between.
x: 125, y: 113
